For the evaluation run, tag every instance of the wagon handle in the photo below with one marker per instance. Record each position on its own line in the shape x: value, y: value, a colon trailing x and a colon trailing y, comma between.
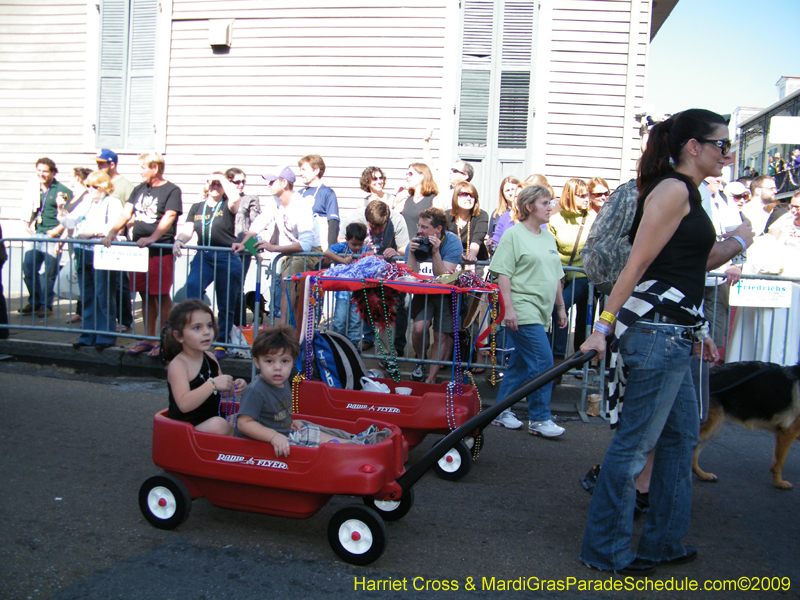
x: 480, y: 421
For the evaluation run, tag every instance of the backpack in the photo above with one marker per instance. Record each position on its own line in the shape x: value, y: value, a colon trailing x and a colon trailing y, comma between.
x: 607, y: 248
x: 336, y: 361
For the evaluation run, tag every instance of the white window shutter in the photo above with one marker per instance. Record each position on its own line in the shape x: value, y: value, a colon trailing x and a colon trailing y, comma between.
x: 113, y: 66
x: 141, y: 74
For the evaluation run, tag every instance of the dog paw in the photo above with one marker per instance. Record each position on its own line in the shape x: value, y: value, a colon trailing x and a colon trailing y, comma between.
x: 783, y: 485
x: 707, y: 477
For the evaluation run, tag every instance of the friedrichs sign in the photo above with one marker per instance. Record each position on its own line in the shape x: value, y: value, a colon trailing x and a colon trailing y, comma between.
x: 761, y: 293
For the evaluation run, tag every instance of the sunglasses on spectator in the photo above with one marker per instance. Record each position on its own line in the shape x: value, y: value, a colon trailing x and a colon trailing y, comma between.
x: 379, y: 178
x: 465, y: 195
x: 411, y: 173
x: 238, y: 181
x: 454, y: 170
x: 739, y: 196
x: 724, y: 145
x: 94, y: 187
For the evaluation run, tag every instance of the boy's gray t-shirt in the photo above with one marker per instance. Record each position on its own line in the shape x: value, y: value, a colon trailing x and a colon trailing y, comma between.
x: 269, y: 405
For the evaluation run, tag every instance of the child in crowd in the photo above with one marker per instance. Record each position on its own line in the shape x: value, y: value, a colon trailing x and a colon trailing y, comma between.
x: 345, y: 316
x: 193, y: 374
x: 265, y: 412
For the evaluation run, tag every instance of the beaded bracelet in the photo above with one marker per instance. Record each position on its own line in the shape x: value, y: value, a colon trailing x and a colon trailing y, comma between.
x: 608, y: 317
x: 214, y: 384
x: 604, y: 329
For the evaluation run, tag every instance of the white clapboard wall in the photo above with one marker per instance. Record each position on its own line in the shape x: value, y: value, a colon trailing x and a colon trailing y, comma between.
x: 358, y: 83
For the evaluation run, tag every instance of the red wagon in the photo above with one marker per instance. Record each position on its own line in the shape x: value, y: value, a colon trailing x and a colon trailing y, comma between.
x: 246, y: 475
x: 430, y: 408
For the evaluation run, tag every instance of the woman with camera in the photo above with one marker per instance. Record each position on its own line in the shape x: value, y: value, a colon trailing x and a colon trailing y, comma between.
x: 213, y: 221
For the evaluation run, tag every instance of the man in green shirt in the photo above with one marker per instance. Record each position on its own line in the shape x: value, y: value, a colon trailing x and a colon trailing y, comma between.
x: 41, y: 223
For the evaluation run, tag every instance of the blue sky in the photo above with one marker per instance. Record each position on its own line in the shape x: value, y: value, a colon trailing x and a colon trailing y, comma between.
x: 720, y: 54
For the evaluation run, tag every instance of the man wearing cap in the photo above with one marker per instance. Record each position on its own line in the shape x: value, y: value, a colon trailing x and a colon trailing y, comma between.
x: 154, y: 206
x: 107, y: 161
x: 738, y: 193
x: 290, y: 227
x: 326, y: 205
x: 725, y: 217
x: 762, y: 203
x: 41, y: 222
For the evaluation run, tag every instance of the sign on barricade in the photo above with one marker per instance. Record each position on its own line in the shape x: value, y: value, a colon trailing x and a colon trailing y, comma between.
x: 761, y: 293
x: 121, y: 258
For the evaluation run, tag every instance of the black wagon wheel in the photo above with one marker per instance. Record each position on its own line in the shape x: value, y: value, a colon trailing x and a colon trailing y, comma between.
x: 164, y: 501
x: 392, y: 510
x: 455, y: 464
x: 357, y: 535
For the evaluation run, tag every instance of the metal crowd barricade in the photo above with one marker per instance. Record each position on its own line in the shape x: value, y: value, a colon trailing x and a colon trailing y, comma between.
x: 29, y: 261
x: 264, y: 279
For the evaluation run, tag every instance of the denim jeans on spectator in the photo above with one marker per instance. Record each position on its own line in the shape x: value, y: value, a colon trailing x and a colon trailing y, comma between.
x: 660, y: 411
x: 531, y: 358
x: 346, y: 319
x: 580, y: 287
x: 224, y: 269
x: 122, y: 297
x: 99, y: 310
x: 39, y: 294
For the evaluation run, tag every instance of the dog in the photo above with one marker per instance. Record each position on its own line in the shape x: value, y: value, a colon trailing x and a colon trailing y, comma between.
x: 757, y: 395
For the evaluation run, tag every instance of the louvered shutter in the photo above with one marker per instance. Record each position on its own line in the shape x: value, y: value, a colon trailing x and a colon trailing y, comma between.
x: 113, y: 68
x: 512, y: 131
x: 141, y: 74
x: 476, y: 59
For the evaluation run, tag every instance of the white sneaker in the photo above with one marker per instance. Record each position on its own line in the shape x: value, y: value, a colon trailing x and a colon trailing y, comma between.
x: 508, y: 420
x: 418, y: 374
x: 370, y: 385
x: 546, y: 429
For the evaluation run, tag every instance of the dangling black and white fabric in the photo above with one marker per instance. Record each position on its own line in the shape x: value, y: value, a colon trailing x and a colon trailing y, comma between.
x: 645, y: 297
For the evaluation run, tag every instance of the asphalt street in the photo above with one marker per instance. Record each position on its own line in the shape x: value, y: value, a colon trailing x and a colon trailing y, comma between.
x: 74, y: 449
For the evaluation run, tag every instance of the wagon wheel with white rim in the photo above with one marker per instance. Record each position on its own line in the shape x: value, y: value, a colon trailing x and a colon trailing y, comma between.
x: 357, y: 535
x: 392, y: 510
x: 164, y: 501
x: 455, y: 464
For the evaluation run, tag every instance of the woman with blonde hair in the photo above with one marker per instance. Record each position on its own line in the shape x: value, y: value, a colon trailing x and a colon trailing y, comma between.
x: 509, y: 188
x: 421, y: 192
x: 93, y: 219
x: 570, y: 226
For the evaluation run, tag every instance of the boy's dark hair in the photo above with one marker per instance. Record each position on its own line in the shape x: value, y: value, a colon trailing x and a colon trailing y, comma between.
x: 355, y: 231
x: 275, y: 339
x: 178, y: 319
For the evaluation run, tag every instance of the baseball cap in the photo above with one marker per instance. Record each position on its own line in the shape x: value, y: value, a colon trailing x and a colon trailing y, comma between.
x: 735, y: 188
x: 285, y: 173
x: 106, y: 155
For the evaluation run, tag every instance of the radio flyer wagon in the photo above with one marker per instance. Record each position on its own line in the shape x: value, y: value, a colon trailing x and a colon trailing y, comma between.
x: 430, y: 408
x: 246, y: 475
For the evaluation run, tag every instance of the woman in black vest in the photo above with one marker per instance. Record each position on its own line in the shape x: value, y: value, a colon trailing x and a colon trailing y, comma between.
x: 654, y: 310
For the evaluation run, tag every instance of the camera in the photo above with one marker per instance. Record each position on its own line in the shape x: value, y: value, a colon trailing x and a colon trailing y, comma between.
x: 423, y: 252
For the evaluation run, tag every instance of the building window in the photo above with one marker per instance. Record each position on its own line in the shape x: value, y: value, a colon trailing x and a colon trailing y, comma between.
x: 126, y: 103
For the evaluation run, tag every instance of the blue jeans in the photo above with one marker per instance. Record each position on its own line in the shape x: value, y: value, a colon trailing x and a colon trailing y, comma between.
x: 97, y: 298
x: 39, y: 294
x: 346, y: 319
x: 531, y: 358
x: 225, y: 270
x: 577, y: 291
x: 660, y: 411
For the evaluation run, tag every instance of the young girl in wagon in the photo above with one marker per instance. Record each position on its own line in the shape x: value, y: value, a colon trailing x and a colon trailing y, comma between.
x: 194, y: 377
